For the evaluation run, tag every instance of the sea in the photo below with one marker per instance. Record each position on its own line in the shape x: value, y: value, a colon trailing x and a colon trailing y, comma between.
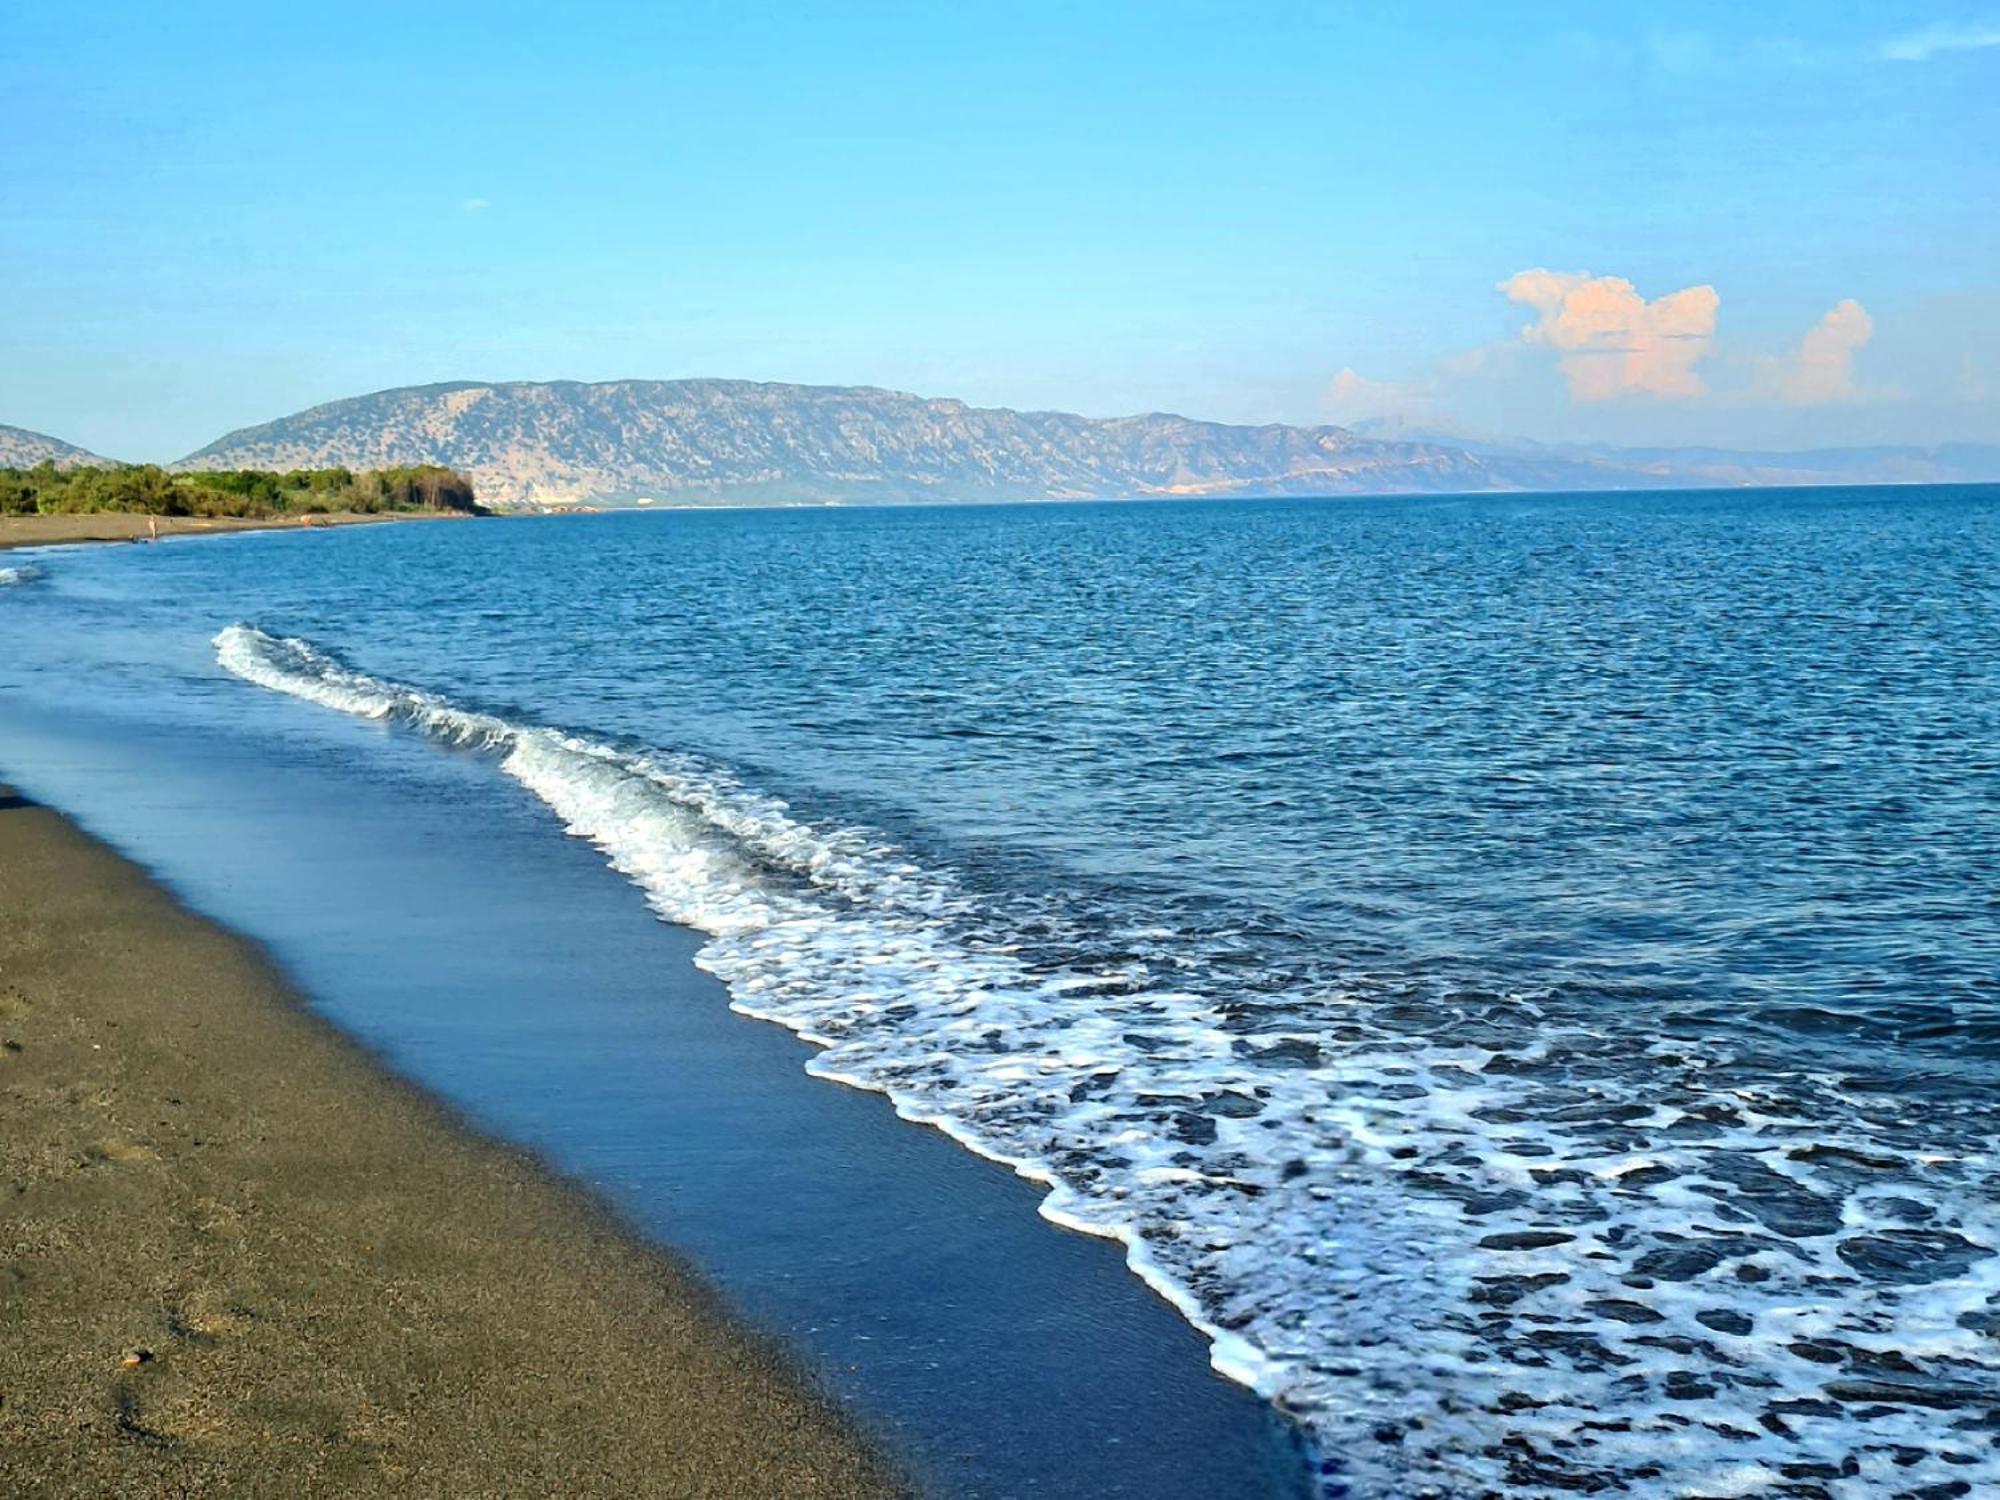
x: 1389, y: 997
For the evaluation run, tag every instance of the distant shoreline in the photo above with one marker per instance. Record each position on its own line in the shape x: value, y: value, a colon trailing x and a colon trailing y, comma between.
x: 247, y: 1257
x: 1357, y: 497
x: 124, y: 526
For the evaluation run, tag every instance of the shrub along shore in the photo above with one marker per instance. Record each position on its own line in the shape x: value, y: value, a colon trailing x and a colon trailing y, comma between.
x: 259, y: 494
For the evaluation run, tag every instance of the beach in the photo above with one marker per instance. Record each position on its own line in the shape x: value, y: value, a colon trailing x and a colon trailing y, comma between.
x: 1422, y: 1019
x: 125, y: 526
x: 240, y: 1256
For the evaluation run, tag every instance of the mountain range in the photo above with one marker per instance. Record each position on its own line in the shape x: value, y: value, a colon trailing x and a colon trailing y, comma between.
x: 739, y: 441
x: 558, y: 443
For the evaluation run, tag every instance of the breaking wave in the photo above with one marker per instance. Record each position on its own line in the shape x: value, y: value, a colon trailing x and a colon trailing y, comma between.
x: 1476, y: 1243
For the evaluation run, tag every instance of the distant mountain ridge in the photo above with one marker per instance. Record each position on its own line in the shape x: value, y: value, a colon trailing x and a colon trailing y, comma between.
x: 1941, y: 463
x: 565, y: 442
x: 1697, y: 467
x: 22, y: 449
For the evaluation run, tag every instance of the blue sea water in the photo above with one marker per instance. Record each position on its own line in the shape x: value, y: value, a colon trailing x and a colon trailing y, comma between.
x: 1521, y: 974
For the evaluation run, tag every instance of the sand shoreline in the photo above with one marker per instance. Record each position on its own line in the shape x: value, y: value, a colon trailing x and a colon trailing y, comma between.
x: 239, y: 1256
x: 125, y: 526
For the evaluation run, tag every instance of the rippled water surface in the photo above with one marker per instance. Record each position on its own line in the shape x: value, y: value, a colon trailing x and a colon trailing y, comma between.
x: 1522, y: 973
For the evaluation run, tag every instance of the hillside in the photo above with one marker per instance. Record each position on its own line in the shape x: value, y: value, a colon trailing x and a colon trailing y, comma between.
x: 22, y: 449
x: 727, y: 440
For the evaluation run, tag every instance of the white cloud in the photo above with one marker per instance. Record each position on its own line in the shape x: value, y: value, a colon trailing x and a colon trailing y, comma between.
x: 1972, y: 382
x: 1921, y: 46
x: 1821, y: 370
x: 1351, y: 398
x: 1610, y: 341
x: 476, y: 205
x: 1680, y: 51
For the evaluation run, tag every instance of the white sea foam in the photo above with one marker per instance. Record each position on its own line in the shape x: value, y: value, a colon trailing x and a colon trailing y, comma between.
x: 1488, y: 1249
x: 19, y: 573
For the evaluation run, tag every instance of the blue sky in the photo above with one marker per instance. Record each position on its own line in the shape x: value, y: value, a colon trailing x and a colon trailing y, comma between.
x: 216, y: 214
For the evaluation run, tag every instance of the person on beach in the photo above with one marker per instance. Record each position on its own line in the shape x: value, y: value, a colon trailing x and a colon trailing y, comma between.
x: 152, y: 528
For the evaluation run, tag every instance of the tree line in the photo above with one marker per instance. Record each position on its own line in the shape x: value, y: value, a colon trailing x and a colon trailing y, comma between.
x: 150, y: 490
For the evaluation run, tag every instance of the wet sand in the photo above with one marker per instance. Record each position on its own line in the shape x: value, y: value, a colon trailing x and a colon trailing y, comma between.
x: 237, y: 1257
x: 123, y: 526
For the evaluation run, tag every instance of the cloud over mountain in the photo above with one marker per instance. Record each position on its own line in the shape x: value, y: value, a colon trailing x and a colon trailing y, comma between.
x: 1821, y: 369
x: 1610, y: 341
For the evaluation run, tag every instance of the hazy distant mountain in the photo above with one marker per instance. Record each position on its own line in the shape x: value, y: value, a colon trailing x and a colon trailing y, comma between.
x: 22, y: 449
x: 731, y: 440
x: 1945, y: 463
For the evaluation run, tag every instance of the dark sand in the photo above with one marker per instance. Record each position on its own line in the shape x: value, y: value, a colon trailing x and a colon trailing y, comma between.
x: 122, y: 526
x: 237, y: 1258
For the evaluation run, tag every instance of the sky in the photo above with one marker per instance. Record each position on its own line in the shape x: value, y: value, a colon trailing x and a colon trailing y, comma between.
x: 1761, y: 226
